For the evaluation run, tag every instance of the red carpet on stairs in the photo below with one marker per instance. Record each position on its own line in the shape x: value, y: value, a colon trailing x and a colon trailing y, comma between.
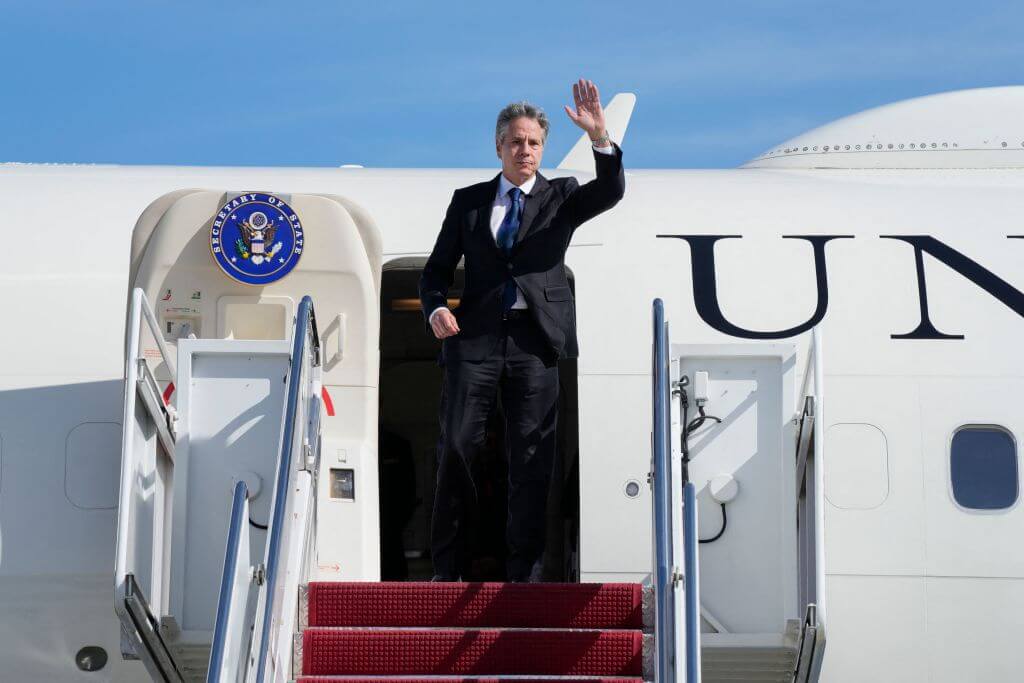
x: 460, y: 679
x: 469, y: 632
x: 522, y: 605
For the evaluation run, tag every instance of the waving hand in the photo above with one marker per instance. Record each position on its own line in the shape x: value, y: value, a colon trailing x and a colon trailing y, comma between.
x: 588, y: 114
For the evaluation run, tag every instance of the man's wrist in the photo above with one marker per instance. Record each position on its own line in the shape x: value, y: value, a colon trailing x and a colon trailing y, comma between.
x: 600, y: 139
x: 430, y: 318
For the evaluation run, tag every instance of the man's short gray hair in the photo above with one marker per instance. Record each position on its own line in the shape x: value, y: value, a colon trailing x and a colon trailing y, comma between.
x: 514, y: 111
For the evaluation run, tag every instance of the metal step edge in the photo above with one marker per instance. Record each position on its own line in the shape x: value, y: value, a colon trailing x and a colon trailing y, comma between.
x: 302, y: 623
x: 752, y: 661
x: 748, y: 652
x: 647, y: 608
x: 748, y: 671
x: 442, y: 629
x: 193, y: 658
x: 766, y: 671
x: 749, y: 678
x: 748, y: 667
x: 758, y: 659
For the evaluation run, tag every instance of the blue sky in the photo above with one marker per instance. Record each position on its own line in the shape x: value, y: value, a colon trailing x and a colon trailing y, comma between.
x: 418, y: 84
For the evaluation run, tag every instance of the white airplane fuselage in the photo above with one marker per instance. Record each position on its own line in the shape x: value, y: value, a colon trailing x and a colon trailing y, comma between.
x: 920, y: 588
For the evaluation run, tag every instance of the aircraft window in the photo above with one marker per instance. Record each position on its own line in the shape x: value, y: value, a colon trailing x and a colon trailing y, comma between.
x: 983, y: 468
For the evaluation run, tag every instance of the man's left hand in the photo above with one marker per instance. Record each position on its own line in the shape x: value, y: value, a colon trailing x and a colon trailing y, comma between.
x: 588, y: 115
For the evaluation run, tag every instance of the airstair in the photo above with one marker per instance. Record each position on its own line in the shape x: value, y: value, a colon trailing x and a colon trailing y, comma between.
x: 224, y: 568
x: 174, y: 459
x: 746, y: 601
x: 274, y: 624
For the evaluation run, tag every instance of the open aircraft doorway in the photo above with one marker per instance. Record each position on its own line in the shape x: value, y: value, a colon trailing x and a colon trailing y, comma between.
x: 409, y: 434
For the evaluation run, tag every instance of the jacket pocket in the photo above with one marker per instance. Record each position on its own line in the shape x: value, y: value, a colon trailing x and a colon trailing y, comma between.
x: 558, y: 293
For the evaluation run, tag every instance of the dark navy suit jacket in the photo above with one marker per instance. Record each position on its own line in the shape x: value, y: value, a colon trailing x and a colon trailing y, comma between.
x: 551, y: 213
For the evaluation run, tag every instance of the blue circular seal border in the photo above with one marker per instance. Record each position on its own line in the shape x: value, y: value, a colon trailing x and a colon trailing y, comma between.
x: 256, y: 238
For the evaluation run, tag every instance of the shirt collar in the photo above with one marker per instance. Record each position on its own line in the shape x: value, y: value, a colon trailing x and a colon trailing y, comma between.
x: 504, y: 185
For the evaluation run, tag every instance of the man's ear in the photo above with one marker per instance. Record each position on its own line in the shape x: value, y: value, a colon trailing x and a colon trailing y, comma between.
x: 497, y: 148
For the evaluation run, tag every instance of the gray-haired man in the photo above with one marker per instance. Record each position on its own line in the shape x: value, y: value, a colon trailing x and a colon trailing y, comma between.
x: 515, y: 320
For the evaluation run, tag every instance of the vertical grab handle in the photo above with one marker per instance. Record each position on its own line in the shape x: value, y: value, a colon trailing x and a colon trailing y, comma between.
x: 691, y: 576
x: 664, y: 572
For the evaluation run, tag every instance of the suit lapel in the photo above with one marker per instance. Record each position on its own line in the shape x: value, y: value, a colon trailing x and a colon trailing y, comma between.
x: 532, y: 206
x: 482, y: 224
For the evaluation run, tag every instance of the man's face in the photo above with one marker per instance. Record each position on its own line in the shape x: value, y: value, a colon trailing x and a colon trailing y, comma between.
x: 521, y: 149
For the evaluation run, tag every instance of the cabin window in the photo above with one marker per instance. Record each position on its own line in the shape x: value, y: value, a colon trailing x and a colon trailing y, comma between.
x: 983, y: 468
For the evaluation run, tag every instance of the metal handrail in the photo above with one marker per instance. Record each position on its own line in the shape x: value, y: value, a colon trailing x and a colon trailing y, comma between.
x: 140, y: 311
x: 664, y: 580
x: 239, y: 521
x: 819, y: 477
x: 305, y: 324
x: 809, y: 365
x: 151, y: 321
x: 142, y: 618
x: 691, y: 578
x: 814, y: 370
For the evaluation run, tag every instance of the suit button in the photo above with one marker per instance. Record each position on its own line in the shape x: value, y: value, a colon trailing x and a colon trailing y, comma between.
x: 508, y: 267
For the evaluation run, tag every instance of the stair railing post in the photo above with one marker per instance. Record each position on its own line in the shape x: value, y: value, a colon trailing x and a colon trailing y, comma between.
x: 664, y: 571
x: 287, y: 510
x: 691, y: 577
x: 229, y: 646
x: 819, y: 477
x: 810, y: 459
x: 142, y: 560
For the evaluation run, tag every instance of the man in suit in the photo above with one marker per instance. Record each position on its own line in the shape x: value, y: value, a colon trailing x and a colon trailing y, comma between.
x: 515, y: 320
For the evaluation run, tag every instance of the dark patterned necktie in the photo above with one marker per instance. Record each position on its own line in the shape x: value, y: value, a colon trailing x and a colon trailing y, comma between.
x: 506, y: 238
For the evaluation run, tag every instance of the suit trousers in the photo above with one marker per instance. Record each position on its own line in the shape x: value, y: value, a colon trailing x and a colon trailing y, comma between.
x: 523, y: 368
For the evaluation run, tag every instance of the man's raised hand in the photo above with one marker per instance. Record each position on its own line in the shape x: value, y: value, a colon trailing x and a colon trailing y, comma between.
x: 588, y: 115
x: 444, y: 324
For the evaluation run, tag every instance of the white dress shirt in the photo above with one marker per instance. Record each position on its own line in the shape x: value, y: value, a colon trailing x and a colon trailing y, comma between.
x: 500, y: 207
x: 502, y: 203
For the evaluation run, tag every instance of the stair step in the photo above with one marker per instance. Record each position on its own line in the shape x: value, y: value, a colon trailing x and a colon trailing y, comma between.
x: 548, y: 605
x: 747, y: 664
x: 468, y: 679
x: 748, y: 677
x: 398, y: 651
